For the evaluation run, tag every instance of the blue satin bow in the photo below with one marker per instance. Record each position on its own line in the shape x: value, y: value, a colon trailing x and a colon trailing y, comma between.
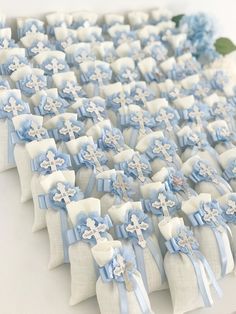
x: 198, y: 113
x: 12, y: 64
x: 51, y: 106
x: 81, y: 55
x: 67, y: 130
x: 117, y: 100
x: 58, y: 197
x: 28, y: 132
x: 12, y: 106
x: 167, y: 118
x: 85, y: 158
x: 51, y: 161
x: 141, y: 94
x: 161, y: 203
x: 111, y: 139
x: 89, y: 228
x: 94, y: 109
x: 53, y: 65
x: 38, y: 46
x: 98, y: 75
x: 185, y: 243
x: 71, y: 91
x: 162, y: 148
x: 31, y: 83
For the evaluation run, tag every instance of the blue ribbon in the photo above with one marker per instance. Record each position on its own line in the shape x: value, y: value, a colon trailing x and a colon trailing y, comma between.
x: 116, y: 100
x: 90, y: 76
x: 13, y: 63
x: 229, y: 209
x: 27, y: 85
x: 230, y: 171
x: 41, y: 163
x: 219, y: 80
x: 83, y: 232
x: 123, y: 233
x: 44, y: 108
x: 38, y: 46
x: 185, y: 243
x: 111, y: 139
x: 108, y: 274
x: 23, y: 134
x: 141, y: 94
x: 154, y: 75
x: 190, y: 116
x: 176, y: 73
x: 200, y: 218
x: 170, y: 114
x: 222, y: 135
x: 81, y: 55
x: 30, y: 26
x: 86, y: 110
x: 5, y: 107
x: 47, y: 66
x: 199, y: 90
x: 66, y: 93
x: 121, y: 37
x: 10, y: 149
x: 61, y: 133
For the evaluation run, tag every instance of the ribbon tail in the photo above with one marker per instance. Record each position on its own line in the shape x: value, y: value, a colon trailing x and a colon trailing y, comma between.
x: 64, y: 228
x: 90, y: 185
x: 157, y: 257
x: 201, y: 283
x: 223, y: 257
x: 11, y: 159
x: 139, y: 295
x: 140, y: 263
x: 210, y: 274
x: 123, y: 298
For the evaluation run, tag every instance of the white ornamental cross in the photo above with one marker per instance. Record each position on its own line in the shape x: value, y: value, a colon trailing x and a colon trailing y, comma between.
x: 40, y: 47
x: 93, y: 230
x: 112, y: 139
x: 163, y: 149
x: 51, y: 162
x: 186, y: 241
x: 122, y: 185
x: 122, y: 269
x: 36, y: 131
x: 13, y: 106
x: 174, y: 92
x: 15, y: 65
x: 52, y: 105
x: 72, y: 89
x: 140, y: 118
x: 164, y: 116
x: 231, y: 210
x: 96, y: 109
x: 197, y: 114
x: 68, y: 42
x: 141, y: 95
x: 70, y: 129
x: 5, y: 44
x: 139, y: 166
x: 163, y: 204
x: 129, y: 75
x: 136, y: 226
x: 33, y: 30
x: 83, y: 56
x: 55, y: 66
x: 35, y: 83
x: 121, y: 99
x: 222, y: 109
x: 211, y: 214
x: 93, y: 155
x: 99, y: 76
x: 64, y: 194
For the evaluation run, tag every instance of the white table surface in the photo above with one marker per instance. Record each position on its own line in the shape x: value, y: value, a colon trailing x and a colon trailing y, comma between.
x: 28, y: 287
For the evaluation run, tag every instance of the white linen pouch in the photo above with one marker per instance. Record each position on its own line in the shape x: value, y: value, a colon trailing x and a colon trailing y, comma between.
x: 203, y: 178
x: 27, y: 128
x: 83, y: 268
x: 10, y: 105
x: 57, y: 219
x: 136, y: 166
x: 211, y: 233
x: 33, y: 149
x: 228, y: 163
x: 109, y: 290
x: 134, y: 227
x: 116, y: 188
x: 160, y: 151
x: 181, y: 274
x: 89, y: 161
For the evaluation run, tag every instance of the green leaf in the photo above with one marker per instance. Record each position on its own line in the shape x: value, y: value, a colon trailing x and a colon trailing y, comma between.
x: 177, y: 19
x: 224, y: 45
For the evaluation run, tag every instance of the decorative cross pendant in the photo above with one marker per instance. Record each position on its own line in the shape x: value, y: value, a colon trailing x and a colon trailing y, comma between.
x: 163, y: 204
x: 163, y: 149
x: 165, y: 117
x: 186, y: 241
x: 51, y: 162
x: 196, y: 114
x: 64, y: 194
x: 55, y: 66
x: 16, y: 64
x: 69, y: 129
x: 13, y: 106
x: 93, y: 155
x: 73, y: 89
x: 211, y: 214
x: 52, y: 105
x: 36, y: 131
x: 137, y: 227
x: 141, y: 120
x: 122, y: 185
x: 93, y: 230
x: 35, y: 83
x: 95, y: 109
x: 112, y: 139
x: 139, y: 166
x: 231, y: 210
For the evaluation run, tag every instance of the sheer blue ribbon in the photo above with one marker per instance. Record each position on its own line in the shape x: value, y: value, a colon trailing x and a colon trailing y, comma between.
x: 200, y: 218
x: 94, y: 109
x: 51, y: 106
x: 155, y: 206
x: 108, y: 274
x: 42, y: 165
x: 123, y: 233
x: 85, y: 232
x: 13, y: 63
x: 111, y: 139
x: 203, y: 172
x: 191, y: 66
x: 222, y: 111
x: 26, y: 132
x: 30, y: 84
x: 118, y: 185
x: 62, y: 131
x: 177, y: 245
x: 66, y: 42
